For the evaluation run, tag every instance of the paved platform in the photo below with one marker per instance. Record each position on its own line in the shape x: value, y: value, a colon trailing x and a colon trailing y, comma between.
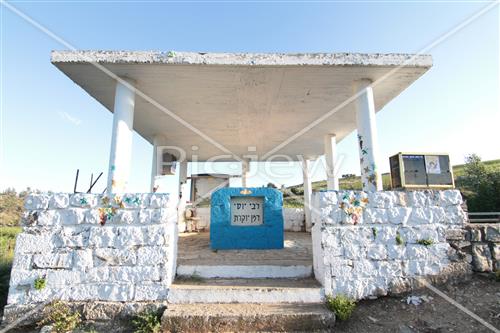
x: 194, y: 250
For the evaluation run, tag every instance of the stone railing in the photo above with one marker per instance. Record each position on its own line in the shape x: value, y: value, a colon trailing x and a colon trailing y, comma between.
x: 82, y: 247
x: 374, y: 243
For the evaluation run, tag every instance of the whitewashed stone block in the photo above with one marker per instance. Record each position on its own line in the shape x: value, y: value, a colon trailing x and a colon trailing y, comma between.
x: 84, y: 200
x: 450, y: 198
x: 399, y: 215
x: 387, y: 234
x: 36, y: 201
x: 375, y: 215
x: 125, y: 217
x: 327, y: 198
x: 130, y: 236
x: 422, y: 267
x: 53, y: 260
x: 382, y: 199
x: 49, y: 217
x: 60, y: 277
x: 421, y: 215
x: 376, y: 252
x: 418, y: 198
x: 417, y: 251
x: 82, y: 260
x: 104, y: 292
x: 395, y: 251
x: 103, y: 236
x: 155, y: 235
x: 59, y: 201
x: 352, y: 251
x: 30, y: 243
x: 135, y: 274
x: 16, y: 295
x: 342, y: 268
x: 152, y: 255
x: 92, y: 216
x: 73, y: 237
x: 158, y: 200
x: 97, y: 274
x: 364, y: 268
x: 72, y: 216
x: 114, y: 257
x: 455, y: 215
x: 26, y: 277
x: 135, y: 200
x: 389, y: 269
x: 22, y: 262
x: 151, y: 292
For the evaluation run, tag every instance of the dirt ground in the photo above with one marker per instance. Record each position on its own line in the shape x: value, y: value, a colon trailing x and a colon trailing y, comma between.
x: 480, y: 295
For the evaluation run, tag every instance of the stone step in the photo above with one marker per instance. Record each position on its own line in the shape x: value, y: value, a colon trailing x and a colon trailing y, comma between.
x: 247, y: 318
x: 190, y: 291
x: 245, y: 271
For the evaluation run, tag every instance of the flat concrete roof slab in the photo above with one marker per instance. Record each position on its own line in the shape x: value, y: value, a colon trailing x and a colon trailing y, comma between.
x: 242, y: 100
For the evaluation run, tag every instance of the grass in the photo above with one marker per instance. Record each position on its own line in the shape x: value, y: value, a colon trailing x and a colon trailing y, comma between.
x: 7, y: 244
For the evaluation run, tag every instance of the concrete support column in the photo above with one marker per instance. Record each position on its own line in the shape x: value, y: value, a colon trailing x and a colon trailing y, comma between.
x: 121, y: 140
x: 245, y: 169
x: 332, y: 180
x: 183, y: 167
x: 306, y: 170
x: 367, y: 136
x: 157, y: 142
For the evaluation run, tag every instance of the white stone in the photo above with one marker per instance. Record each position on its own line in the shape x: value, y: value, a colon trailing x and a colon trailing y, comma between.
x: 26, y: 277
x: 74, y: 237
x: 342, y: 268
x: 63, y: 277
x: 387, y: 234
x: 418, y: 198
x: 114, y: 257
x: 72, y: 216
x: 421, y: 215
x: 16, y: 295
x: 125, y: 217
x: 422, y: 267
x: 382, y: 199
x: 52, y: 260
x: 158, y: 200
x: 130, y: 236
x: 82, y: 260
x: 390, y: 269
x: 49, y: 217
x: 150, y: 292
x: 92, y: 216
x: 450, y: 198
x: 22, y: 261
x: 135, y: 200
x: 399, y: 215
x: 417, y: 251
x: 98, y: 274
x: 135, y: 274
x: 30, y: 243
x: 155, y: 235
x: 327, y: 198
x: 455, y: 215
x: 395, y: 251
x: 102, y: 236
x: 376, y: 252
x: 354, y: 251
x: 152, y: 255
x: 36, y: 201
x: 103, y: 292
x: 438, y: 214
x: 364, y: 268
x: 375, y: 215
x: 59, y: 201
x: 84, y: 200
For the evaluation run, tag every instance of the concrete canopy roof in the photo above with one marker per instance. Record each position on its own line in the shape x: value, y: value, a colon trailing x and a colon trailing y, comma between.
x: 242, y: 100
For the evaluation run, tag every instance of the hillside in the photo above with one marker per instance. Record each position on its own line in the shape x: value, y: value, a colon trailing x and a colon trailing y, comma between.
x: 354, y: 183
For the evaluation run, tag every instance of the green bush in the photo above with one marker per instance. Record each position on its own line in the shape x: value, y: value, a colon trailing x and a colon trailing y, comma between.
x: 341, y: 305
x: 40, y: 283
x: 399, y: 239
x: 426, y: 242
x: 147, y: 322
x: 60, y: 316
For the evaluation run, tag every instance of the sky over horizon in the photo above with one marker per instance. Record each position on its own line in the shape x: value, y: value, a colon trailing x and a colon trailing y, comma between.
x: 51, y: 127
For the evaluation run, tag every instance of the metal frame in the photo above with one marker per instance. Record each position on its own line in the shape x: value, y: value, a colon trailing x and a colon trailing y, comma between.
x: 409, y: 186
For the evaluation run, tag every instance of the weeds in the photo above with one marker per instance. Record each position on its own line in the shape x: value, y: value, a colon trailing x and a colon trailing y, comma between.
x: 341, y: 305
x: 60, y: 316
x: 147, y: 322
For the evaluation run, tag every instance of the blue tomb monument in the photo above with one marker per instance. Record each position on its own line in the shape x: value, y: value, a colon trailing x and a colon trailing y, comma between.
x: 246, y: 218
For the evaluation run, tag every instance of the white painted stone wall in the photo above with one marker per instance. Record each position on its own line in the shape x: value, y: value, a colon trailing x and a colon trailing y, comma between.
x: 363, y: 256
x: 293, y: 218
x: 129, y: 258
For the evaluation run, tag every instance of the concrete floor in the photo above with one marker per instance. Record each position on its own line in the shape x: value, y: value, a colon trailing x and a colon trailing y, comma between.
x: 194, y: 249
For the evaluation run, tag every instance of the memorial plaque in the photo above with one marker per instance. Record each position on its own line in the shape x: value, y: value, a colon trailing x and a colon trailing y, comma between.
x: 247, y: 211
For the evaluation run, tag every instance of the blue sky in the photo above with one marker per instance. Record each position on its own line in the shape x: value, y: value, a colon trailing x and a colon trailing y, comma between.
x: 50, y: 127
